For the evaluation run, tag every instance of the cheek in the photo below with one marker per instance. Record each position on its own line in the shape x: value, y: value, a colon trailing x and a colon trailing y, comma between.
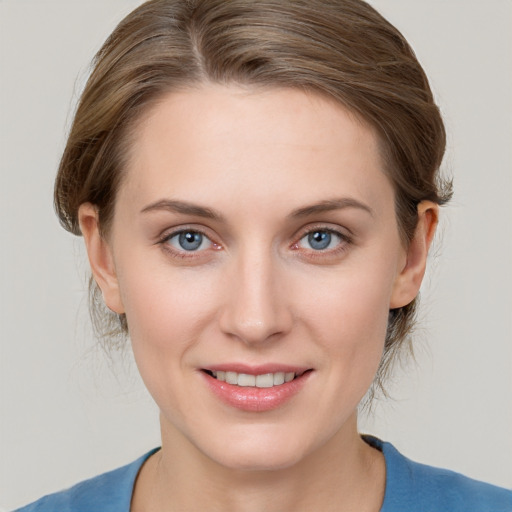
x: 353, y: 298
x: 349, y: 313
x: 166, y: 313
x: 165, y: 310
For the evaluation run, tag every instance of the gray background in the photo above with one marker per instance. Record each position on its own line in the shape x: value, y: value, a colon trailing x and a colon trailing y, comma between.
x: 68, y: 412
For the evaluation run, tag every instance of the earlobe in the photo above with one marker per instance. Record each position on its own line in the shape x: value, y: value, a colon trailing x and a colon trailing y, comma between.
x: 100, y: 257
x: 408, y: 281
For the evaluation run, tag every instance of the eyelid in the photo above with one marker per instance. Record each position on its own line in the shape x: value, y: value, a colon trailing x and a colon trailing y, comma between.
x: 169, y: 233
x: 346, y: 240
x: 344, y: 233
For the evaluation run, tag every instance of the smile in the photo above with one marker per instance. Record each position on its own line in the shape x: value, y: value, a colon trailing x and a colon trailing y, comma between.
x: 265, y: 380
x: 263, y: 389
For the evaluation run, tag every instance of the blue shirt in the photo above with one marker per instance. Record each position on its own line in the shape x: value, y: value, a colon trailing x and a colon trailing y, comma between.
x: 410, y: 487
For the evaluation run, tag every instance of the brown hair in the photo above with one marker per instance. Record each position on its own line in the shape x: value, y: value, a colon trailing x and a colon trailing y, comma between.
x: 343, y: 49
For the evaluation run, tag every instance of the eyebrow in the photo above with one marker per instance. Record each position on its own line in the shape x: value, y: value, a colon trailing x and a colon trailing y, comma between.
x: 187, y: 208
x: 184, y: 208
x: 331, y: 205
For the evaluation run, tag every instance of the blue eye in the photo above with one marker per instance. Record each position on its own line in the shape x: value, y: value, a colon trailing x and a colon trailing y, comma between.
x: 320, y: 240
x: 189, y: 241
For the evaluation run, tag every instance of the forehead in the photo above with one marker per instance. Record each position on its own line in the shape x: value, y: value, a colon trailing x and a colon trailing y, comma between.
x: 260, y: 144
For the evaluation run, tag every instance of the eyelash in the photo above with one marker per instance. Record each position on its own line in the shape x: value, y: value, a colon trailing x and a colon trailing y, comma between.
x: 344, y: 242
x: 183, y: 254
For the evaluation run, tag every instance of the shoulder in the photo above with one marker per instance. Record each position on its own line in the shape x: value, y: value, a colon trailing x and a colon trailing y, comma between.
x: 109, y: 492
x: 411, y: 486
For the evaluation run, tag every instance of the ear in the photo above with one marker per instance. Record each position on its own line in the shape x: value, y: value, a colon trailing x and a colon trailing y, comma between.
x: 100, y: 257
x: 408, y: 281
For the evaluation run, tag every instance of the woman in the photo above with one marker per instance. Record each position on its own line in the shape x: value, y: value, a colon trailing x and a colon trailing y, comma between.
x: 257, y: 186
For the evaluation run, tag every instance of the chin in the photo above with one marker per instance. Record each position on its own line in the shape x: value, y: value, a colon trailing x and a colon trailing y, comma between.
x: 258, y: 460
x: 263, y: 450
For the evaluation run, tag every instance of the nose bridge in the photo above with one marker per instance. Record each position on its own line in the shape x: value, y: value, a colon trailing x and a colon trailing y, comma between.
x: 256, y: 309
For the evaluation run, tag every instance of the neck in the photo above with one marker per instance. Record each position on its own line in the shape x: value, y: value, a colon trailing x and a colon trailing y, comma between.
x: 344, y: 474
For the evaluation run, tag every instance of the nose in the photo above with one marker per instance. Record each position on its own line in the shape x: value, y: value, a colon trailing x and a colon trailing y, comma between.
x: 256, y: 308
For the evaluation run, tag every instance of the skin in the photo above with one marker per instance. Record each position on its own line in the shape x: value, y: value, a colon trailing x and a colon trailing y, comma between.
x: 257, y: 292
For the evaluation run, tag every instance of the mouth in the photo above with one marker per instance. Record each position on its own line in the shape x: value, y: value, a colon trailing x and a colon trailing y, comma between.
x: 246, y: 380
x: 253, y: 389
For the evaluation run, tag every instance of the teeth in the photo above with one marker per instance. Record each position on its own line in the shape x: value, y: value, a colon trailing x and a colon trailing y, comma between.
x: 245, y: 380
x: 266, y: 380
x: 232, y: 377
x: 279, y: 378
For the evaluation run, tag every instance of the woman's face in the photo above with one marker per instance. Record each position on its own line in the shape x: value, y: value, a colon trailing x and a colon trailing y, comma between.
x: 255, y: 234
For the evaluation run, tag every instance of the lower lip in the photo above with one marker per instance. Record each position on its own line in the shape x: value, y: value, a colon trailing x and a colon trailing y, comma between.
x: 254, y: 399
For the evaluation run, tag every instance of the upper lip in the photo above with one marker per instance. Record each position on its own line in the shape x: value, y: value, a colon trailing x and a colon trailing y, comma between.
x: 260, y: 369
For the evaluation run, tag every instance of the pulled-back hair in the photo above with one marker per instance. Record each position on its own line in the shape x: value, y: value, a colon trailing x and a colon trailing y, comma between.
x: 342, y: 49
